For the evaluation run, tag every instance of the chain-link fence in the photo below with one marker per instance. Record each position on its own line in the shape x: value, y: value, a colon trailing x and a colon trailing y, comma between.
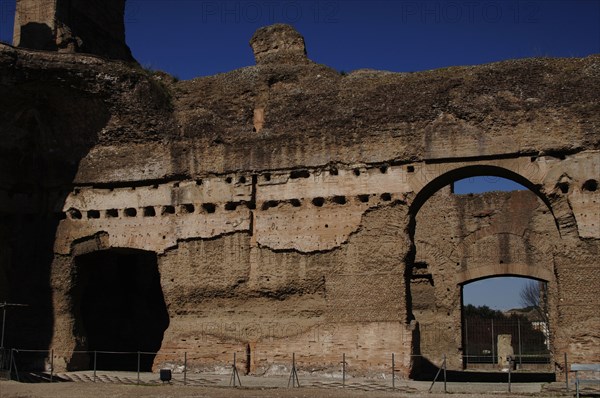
x: 493, y: 341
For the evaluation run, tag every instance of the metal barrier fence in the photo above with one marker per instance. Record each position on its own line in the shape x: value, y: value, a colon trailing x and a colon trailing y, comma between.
x: 102, y: 363
x: 527, y: 342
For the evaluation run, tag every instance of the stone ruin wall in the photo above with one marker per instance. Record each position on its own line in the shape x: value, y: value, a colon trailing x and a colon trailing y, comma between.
x: 314, y: 261
x: 280, y: 198
x: 240, y: 267
x: 73, y: 26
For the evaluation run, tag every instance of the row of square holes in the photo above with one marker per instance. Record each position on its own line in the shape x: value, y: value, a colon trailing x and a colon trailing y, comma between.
x: 150, y: 211
x: 211, y: 208
x: 590, y: 185
x: 320, y: 201
x: 333, y: 171
x: 295, y: 174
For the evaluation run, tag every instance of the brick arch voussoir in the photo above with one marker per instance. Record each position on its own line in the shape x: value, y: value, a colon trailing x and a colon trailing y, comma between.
x: 493, y: 270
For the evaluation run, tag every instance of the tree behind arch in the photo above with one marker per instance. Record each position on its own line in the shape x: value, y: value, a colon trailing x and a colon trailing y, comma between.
x: 534, y: 296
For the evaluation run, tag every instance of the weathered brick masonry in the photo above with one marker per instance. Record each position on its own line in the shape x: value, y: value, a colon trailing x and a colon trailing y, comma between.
x: 282, y: 207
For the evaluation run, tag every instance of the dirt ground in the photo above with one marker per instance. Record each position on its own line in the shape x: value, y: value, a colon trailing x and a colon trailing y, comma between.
x: 207, y: 385
x: 12, y: 389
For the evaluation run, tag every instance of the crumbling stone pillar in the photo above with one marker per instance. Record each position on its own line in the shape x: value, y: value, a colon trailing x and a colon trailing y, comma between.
x: 75, y: 26
x: 505, y: 349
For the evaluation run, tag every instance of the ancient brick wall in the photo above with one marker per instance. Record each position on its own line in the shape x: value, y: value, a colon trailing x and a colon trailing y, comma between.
x: 86, y: 26
x: 287, y: 205
x: 34, y: 24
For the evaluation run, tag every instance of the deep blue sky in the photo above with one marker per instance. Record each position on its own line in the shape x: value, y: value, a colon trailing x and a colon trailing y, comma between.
x: 190, y: 38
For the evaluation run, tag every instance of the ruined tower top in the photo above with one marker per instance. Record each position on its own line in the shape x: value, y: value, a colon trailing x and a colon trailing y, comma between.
x: 279, y: 43
x: 76, y: 26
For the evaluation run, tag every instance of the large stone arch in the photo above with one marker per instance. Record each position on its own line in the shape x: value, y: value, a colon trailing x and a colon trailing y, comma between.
x: 560, y: 182
x: 442, y: 174
x: 496, y: 246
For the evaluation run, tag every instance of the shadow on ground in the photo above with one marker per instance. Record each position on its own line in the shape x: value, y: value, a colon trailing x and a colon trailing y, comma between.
x: 426, y: 371
x: 37, y: 377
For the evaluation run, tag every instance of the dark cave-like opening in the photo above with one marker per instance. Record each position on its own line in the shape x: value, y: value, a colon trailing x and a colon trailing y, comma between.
x: 120, y: 308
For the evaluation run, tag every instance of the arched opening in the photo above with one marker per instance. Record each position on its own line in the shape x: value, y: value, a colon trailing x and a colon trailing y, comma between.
x: 494, y: 223
x: 484, y: 172
x: 119, y: 307
x: 506, y: 323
